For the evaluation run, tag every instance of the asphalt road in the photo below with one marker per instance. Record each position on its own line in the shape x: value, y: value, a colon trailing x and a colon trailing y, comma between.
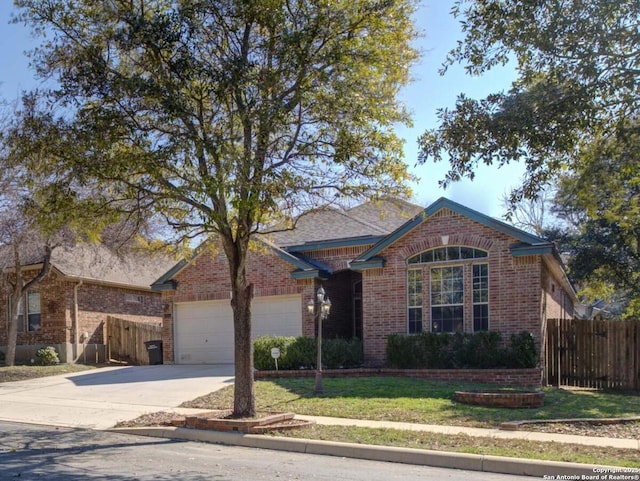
x: 34, y: 452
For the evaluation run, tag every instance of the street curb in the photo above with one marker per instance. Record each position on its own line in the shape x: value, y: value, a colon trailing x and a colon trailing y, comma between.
x: 442, y: 459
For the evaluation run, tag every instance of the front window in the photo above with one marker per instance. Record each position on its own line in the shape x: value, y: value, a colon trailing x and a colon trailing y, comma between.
x: 415, y: 301
x: 458, y: 279
x: 32, y: 321
x: 481, y: 297
x: 447, y: 299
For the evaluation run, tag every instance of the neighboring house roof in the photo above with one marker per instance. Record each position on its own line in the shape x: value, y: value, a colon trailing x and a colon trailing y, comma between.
x: 96, y: 263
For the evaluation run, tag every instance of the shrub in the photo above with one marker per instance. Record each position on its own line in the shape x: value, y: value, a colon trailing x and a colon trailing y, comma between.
x: 262, y: 346
x: 523, y: 352
x: 401, y: 351
x: 301, y: 353
x: 47, y: 356
x: 341, y: 353
x: 481, y: 350
x: 2, y: 356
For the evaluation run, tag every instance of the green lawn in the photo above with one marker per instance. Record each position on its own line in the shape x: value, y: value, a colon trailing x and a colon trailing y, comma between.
x: 418, y: 401
x: 431, y: 402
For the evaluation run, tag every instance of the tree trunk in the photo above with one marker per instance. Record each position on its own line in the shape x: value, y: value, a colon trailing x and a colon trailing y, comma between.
x: 241, y: 297
x: 12, y: 334
x: 244, y: 396
x: 18, y: 289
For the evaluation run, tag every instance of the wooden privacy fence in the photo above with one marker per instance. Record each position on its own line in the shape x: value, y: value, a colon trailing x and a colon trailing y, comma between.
x: 602, y: 354
x: 125, y: 339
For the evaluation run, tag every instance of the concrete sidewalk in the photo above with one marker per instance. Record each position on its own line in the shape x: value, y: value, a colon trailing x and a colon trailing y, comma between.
x: 472, y: 462
x: 452, y: 460
x: 483, y: 432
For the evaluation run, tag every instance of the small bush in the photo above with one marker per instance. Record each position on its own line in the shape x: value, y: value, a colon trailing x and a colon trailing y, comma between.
x: 341, y: 353
x: 262, y: 351
x: 2, y: 356
x: 523, y: 352
x: 47, y: 356
x: 301, y: 353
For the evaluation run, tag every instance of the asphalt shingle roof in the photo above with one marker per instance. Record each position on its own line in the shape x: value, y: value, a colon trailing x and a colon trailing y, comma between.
x: 369, y: 219
x: 134, y: 268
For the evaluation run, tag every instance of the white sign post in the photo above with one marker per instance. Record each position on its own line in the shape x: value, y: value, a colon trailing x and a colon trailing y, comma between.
x: 275, y: 354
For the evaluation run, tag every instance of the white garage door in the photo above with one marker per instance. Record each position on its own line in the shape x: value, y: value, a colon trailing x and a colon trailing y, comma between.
x: 204, y: 330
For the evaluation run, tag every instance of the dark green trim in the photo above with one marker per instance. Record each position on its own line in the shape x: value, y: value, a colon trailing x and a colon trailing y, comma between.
x: 291, y: 259
x: 165, y: 283
x: 519, y: 250
x: 374, y: 263
x: 444, y: 203
x: 311, y: 274
x: 165, y: 286
x: 333, y: 244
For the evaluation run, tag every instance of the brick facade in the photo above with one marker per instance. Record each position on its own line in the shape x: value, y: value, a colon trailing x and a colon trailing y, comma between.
x: 207, y: 278
x: 515, y: 294
x: 94, y: 302
x: 523, y: 289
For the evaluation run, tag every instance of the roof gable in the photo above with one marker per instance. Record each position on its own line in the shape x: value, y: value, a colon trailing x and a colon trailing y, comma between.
x: 528, y: 243
x: 303, y: 267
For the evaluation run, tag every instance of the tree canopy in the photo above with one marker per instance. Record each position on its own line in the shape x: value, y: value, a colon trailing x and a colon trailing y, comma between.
x: 601, y: 202
x: 225, y: 116
x: 578, y: 65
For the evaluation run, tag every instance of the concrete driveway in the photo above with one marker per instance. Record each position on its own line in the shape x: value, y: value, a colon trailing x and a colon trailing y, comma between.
x: 98, y: 399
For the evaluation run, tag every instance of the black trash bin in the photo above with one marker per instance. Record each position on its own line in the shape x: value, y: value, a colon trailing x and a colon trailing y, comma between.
x: 154, y: 348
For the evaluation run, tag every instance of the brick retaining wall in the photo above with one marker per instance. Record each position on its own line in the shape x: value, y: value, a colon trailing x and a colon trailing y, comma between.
x: 503, y: 377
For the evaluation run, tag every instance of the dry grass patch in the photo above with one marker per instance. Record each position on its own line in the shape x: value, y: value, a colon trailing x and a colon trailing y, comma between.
x: 22, y: 373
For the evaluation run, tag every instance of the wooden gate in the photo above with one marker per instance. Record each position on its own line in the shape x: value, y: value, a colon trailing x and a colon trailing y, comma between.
x: 602, y: 354
x: 125, y: 339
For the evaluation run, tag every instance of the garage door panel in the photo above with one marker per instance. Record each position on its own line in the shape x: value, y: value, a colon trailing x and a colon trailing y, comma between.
x: 204, y: 330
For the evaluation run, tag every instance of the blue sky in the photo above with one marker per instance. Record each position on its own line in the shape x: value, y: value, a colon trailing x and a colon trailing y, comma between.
x: 424, y: 96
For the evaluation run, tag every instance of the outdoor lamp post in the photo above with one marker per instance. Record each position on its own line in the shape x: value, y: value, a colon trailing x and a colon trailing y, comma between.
x: 322, y: 312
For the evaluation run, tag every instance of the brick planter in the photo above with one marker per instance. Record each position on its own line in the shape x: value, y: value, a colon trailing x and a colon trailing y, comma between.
x: 219, y: 421
x: 501, y: 398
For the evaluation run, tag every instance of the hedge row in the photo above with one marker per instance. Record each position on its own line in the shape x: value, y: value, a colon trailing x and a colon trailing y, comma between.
x: 301, y: 353
x: 428, y: 350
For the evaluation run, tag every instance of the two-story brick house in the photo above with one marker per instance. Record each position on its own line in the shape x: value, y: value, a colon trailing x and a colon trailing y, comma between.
x: 388, y: 267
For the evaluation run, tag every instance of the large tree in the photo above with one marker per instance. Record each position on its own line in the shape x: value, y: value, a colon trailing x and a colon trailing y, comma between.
x: 41, y: 211
x: 578, y: 64
x: 601, y: 201
x: 229, y: 115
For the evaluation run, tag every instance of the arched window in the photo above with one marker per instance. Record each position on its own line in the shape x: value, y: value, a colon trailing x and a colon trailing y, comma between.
x: 447, y: 284
x: 448, y: 253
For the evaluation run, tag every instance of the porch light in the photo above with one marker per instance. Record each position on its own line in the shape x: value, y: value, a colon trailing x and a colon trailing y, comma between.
x: 322, y: 312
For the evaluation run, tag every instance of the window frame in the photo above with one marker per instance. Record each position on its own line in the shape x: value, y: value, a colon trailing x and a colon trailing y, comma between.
x: 416, y: 309
x: 458, y: 255
x: 447, y: 254
x: 25, y: 324
x: 454, y: 307
x: 485, y: 303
